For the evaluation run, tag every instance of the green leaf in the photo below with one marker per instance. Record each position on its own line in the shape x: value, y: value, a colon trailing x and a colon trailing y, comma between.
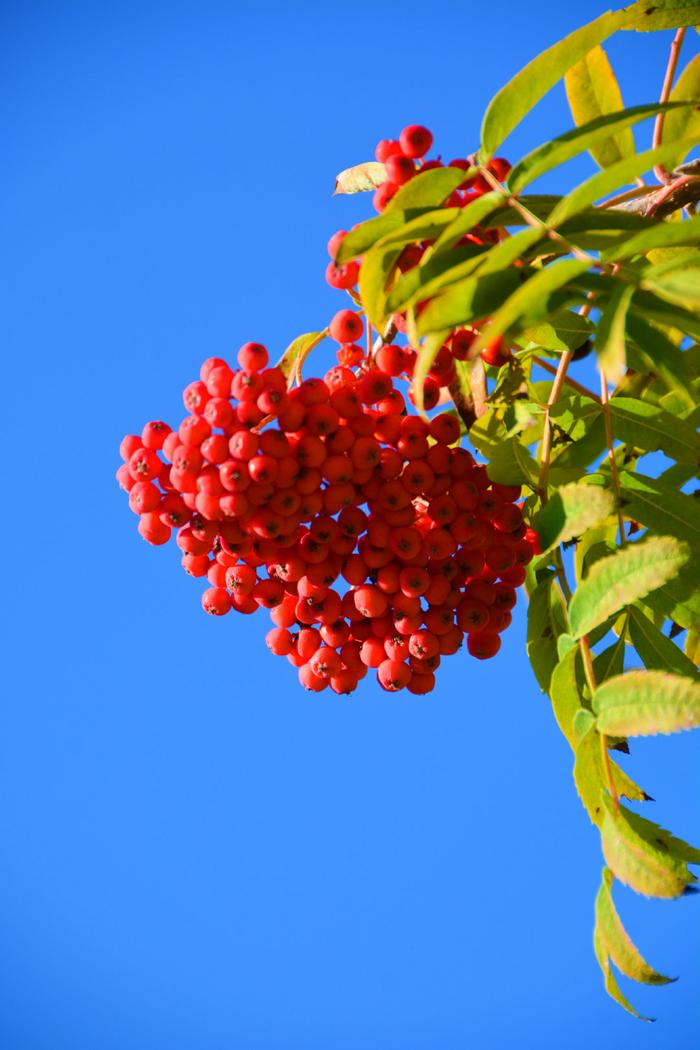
x: 684, y: 124
x: 570, y: 512
x: 613, y: 178
x: 660, y: 507
x: 644, y: 703
x: 546, y: 621
x: 617, y: 941
x: 563, y: 330
x: 565, y: 695
x: 675, y: 847
x: 296, y: 353
x: 646, y: 17
x: 358, y: 241
x: 656, y: 650
x: 429, y: 188
x: 588, y: 773
x: 610, y: 338
x: 360, y: 178
x: 663, y: 234
x: 662, y: 357
x: 467, y: 218
x: 531, y: 299
x: 638, y: 856
x: 600, y: 134
x: 679, y: 599
x: 612, y: 660
x: 511, y: 464
x: 435, y: 273
x: 593, y: 92
x: 623, y: 578
x: 611, y: 985
x: 517, y: 98
x: 651, y: 428
x: 680, y: 287
x: 469, y: 300
x: 692, y: 647
x: 377, y: 266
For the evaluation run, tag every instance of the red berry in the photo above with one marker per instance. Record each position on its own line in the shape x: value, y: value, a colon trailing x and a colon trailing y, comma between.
x: 216, y: 601
x: 415, y: 140
x: 346, y: 327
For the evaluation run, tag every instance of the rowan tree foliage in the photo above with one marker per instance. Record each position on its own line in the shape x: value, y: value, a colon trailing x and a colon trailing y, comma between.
x: 491, y: 304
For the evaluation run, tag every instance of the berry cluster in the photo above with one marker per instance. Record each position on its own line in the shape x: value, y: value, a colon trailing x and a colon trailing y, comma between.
x: 266, y: 487
x: 371, y: 537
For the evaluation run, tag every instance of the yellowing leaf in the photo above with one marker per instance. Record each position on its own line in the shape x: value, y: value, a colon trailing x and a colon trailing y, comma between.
x: 623, y: 578
x: 593, y: 91
x: 639, y: 858
x: 610, y: 339
x: 360, y: 178
x: 617, y: 942
x: 684, y: 123
x: 571, y: 511
x: 643, y: 703
x: 611, y: 985
x: 296, y: 353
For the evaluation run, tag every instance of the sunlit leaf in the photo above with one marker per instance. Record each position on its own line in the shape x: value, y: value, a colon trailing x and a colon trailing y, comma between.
x: 623, y: 578
x: 296, y: 353
x: 660, y: 507
x: 469, y: 300
x: 360, y: 178
x: 656, y: 650
x: 611, y: 985
x: 572, y: 510
x: 685, y: 123
x: 643, y: 703
x: 593, y: 92
x: 652, y: 429
x: 517, y: 98
x: 564, y: 694
x: 660, y: 235
x: 645, y: 16
x: 638, y: 856
x: 624, y: 954
x: 662, y: 357
x: 610, y: 337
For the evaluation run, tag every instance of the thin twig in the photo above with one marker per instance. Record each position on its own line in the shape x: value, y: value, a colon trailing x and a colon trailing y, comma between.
x: 662, y: 174
x: 546, y: 449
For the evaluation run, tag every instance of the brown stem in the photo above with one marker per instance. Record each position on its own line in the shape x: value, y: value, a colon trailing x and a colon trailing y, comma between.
x: 662, y: 174
x: 546, y: 449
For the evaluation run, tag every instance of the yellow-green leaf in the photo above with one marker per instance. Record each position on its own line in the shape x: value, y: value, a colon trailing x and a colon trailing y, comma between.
x: 517, y: 98
x: 360, y: 178
x: 571, y: 511
x: 468, y: 300
x: 619, y: 945
x: 645, y: 16
x: 658, y: 652
x: 684, y: 123
x: 639, y: 859
x: 610, y: 338
x: 623, y: 578
x: 296, y: 353
x: 692, y: 647
x: 611, y: 985
x: 593, y: 91
x: 565, y: 695
x: 663, y: 234
x: 643, y: 703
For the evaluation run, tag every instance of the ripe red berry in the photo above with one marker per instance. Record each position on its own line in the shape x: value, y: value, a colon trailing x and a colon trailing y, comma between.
x: 415, y: 140
x: 393, y: 675
x: 346, y: 327
x: 483, y: 644
x: 253, y: 357
x: 216, y: 601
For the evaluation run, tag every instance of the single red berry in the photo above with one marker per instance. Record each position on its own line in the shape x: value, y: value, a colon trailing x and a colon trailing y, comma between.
x: 253, y: 357
x: 387, y: 148
x: 399, y: 169
x: 499, y: 167
x: 343, y: 276
x: 415, y: 140
x: 383, y: 195
x: 216, y: 601
x: 483, y: 644
x: 346, y: 326
x: 393, y: 675
x: 154, y: 434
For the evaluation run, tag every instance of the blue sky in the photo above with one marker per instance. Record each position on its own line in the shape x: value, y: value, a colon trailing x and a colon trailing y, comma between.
x: 195, y: 852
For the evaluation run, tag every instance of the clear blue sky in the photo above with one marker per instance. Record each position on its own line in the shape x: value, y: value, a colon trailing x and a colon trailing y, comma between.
x: 195, y: 853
